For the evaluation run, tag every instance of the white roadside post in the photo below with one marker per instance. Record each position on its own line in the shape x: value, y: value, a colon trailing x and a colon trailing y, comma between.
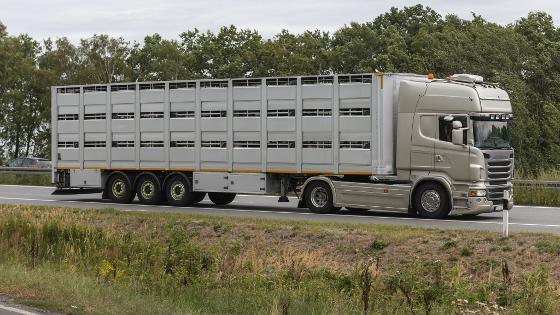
x: 505, y: 215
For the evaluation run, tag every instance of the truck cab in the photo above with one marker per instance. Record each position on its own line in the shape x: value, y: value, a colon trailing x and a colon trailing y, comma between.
x: 459, y: 141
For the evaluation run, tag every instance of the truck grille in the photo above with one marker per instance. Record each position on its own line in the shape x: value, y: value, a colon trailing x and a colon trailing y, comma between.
x: 499, y: 178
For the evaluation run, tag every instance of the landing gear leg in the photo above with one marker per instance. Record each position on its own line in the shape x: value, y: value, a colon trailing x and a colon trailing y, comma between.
x: 283, y: 197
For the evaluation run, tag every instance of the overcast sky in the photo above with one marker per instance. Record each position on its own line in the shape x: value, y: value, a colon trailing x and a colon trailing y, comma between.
x: 133, y: 19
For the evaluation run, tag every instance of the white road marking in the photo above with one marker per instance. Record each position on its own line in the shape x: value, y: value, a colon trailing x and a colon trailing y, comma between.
x: 16, y: 310
x: 280, y: 212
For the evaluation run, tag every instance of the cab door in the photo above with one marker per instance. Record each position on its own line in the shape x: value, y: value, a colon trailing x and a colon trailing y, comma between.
x: 450, y: 158
x: 424, y: 134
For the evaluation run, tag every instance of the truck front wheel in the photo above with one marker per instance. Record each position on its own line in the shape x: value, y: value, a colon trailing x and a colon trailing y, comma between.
x: 431, y: 200
x: 318, y: 197
x: 119, y: 189
x: 221, y: 199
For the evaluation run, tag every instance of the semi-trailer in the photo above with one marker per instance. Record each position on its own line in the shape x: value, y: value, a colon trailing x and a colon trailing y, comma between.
x: 397, y: 142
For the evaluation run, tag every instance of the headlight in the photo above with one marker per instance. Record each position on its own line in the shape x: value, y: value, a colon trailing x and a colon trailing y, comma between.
x: 478, y: 193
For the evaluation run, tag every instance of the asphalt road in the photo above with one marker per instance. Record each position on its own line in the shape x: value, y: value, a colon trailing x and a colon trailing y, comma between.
x: 522, y: 218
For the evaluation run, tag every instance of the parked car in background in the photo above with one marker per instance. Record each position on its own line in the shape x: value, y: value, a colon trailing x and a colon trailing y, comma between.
x: 30, y: 162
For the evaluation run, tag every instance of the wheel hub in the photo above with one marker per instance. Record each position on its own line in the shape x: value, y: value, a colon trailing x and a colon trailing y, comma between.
x: 177, y: 190
x: 430, y: 200
x: 319, y: 197
x: 148, y: 190
x: 119, y: 188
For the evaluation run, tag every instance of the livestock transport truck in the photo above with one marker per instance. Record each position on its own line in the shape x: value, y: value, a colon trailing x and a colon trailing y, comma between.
x: 397, y: 142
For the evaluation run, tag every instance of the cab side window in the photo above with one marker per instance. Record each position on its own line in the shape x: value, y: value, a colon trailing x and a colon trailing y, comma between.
x: 446, y: 128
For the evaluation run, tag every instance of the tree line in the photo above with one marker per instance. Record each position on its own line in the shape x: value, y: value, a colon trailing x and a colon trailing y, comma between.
x: 523, y: 57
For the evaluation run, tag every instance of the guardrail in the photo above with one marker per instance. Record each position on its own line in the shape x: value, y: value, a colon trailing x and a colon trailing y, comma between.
x: 30, y: 170
x: 24, y: 170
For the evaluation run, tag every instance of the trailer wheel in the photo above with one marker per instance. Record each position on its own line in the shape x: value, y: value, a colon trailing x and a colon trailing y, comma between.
x: 178, y: 191
x: 318, y: 197
x: 432, y: 201
x: 120, y: 189
x: 198, y: 196
x: 148, y: 190
x: 221, y: 199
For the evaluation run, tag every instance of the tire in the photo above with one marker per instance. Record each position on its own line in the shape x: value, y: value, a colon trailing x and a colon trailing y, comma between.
x: 431, y: 200
x: 178, y: 191
x: 148, y: 190
x: 357, y: 210
x: 198, y: 197
x: 119, y: 189
x: 318, y: 197
x: 221, y: 199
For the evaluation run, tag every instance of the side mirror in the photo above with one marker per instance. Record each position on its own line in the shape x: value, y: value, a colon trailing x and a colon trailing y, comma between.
x: 457, y: 135
x: 457, y: 125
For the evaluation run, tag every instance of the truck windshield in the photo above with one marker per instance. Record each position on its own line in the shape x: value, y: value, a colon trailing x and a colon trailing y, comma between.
x: 491, y: 134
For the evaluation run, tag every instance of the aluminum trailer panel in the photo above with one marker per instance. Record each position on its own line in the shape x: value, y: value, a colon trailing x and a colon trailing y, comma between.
x: 338, y: 124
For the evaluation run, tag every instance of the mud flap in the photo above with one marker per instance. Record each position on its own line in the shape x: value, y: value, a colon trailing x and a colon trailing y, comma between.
x: 301, y: 204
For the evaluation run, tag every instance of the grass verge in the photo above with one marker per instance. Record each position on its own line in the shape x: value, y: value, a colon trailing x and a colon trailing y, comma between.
x: 99, y: 262
x: 26, y: 179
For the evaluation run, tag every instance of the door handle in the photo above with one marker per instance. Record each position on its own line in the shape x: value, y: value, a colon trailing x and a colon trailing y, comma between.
x: 438, y: 158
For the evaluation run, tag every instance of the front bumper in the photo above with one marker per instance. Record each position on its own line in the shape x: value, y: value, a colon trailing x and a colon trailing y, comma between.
x: 477, y: 205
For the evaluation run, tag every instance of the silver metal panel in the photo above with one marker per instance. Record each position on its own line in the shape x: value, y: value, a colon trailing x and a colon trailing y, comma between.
x: 317, y: 91
x: 95, y: 154
x: 123, y: 154
x: 367, y: 195
x: 355, y: 90
x: 282, y: 156
x: 183, y: 106
x: 182, y: 155
x: 281, y: 92
x: 97, y: 98
x: 85, y: 178
x: 252, y: 183
x: 68, y: 109
x: 317, y: 156
x: 213, y: 124
x: 94, y: 109
x: 213, y: 155
x: 280, y: 104
x: 355, y: 156
x: 247, y: 93
x: 152, y: 124
x: 247, y: 155
x: 213, y: 94
x: 355, y: 124
x: 317, y: 124
x: 293, y: 129
x: 95, y: 125
x: 264, y: 124
x: 123, y: 125
x: 123, y: 108
x: 246, y: 136
x: 151, y: 107
x: 182, y: 124
x: 246, y: 124
x: 182, y: 95
x: 67, y: 126
x: 152, y: 96
x: 281, y: 124
x: 68, y: 99
x: 123, y: 97
x: 229, y: 118
x: 210, y: 181
x: 247, y: 105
